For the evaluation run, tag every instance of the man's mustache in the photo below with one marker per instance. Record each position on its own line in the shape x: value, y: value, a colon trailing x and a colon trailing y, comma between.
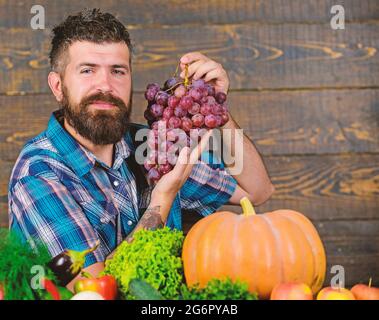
x: 109, y: 98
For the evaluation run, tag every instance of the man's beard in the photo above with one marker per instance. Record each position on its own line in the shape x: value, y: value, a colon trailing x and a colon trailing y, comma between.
x: 101, y: 127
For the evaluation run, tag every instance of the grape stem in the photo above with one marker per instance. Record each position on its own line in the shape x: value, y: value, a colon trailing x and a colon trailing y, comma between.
x: 174, y: 86
x: 176, y: 70
x: 186, y: 81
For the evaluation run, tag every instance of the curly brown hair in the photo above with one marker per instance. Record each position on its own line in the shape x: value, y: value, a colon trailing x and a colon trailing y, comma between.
x: 87, y: 25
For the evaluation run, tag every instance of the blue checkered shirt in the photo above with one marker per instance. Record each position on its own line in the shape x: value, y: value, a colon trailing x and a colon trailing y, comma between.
x: 61, y: 195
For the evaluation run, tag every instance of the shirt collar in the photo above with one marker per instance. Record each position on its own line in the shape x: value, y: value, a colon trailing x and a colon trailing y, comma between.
x: 79, y: 158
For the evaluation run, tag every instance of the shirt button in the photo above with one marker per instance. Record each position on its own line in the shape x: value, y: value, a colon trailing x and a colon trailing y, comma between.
x: 103, y: 220
x: 116, y: 183
x: 130, y: 222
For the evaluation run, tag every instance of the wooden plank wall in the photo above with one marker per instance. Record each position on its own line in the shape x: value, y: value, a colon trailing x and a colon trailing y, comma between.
x: 306, y: 94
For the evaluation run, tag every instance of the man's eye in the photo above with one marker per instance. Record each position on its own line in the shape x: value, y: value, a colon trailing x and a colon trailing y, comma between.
x: 86, y: 71
x: 119, y: 72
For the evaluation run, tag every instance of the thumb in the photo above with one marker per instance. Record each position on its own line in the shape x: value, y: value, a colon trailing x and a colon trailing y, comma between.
x: 182, y: 161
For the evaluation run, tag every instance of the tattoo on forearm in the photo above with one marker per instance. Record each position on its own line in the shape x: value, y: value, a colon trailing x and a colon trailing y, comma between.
x: 150, y: 220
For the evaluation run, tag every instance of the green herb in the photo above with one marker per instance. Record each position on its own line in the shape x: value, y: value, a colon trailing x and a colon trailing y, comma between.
x: 16, y: 262
x: 153, y: 256
x: 217, y: 289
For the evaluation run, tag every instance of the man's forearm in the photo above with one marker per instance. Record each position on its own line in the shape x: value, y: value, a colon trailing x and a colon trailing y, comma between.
x: 150, y: 220
x: 155, y: 215
x: 253, y: 178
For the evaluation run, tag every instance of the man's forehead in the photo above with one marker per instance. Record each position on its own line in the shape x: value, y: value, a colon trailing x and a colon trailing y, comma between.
x: 104, y: 53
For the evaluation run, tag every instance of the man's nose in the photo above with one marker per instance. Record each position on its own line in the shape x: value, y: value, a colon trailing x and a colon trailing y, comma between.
x: 104, y: 81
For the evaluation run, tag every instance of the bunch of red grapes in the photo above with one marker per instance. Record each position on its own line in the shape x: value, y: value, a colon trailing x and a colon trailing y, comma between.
x: 178, y: 115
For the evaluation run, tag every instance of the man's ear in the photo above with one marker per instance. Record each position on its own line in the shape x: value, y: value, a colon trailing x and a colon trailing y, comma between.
x: 55, y: 83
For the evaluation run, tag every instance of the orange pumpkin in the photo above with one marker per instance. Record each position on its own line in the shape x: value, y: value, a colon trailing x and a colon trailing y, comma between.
x: 262, y: 250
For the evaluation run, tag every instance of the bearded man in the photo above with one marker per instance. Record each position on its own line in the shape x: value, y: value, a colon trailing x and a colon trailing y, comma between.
x: 77, y: 183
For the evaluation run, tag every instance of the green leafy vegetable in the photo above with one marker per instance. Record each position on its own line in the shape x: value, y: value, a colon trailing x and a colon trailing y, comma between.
x: 217, y: 289
x: 153, y: 256
x: 16, y: 262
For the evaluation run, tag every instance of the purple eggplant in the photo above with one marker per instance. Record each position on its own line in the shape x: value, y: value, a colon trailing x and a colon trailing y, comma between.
x: 68, y: 264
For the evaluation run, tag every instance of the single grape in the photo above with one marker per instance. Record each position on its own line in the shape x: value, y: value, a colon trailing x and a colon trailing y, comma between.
x: 170, y: 83
x: 225, y: 118
x: 205, y: 109
x: 180, y: 111
x: 220, y: 97
x: 154, y: 174
x: 195, y: 94
x: 209, y: 100
x: 216, y: 109
x: 186, y: 102
x: 173, y: 101
x: 161, y: 98
x: 154, y: 86
x: 204, y: 91
x: 198, y: 120
x: 194, y: 109
x: 151, y: 93
x: 180, y: 91
x: 156, y: 110
x: 218, y: 120
x: 165, y: 168
x: 210, y: 121
x: 174, y: 122
x: 198, y: 83
x: 186, y: 124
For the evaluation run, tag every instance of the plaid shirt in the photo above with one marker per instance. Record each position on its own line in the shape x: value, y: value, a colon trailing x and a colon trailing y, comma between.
x: 61, y: 195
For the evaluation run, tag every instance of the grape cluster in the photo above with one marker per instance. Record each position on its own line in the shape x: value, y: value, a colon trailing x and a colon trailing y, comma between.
x: 178, y: 115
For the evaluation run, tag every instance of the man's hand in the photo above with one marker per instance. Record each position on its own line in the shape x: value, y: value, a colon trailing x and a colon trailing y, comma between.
x: 168, y: 186
x: 201, y: 66
x: 170, y: 183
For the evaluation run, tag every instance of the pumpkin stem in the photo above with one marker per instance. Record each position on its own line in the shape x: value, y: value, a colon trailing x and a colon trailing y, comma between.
x: 247, y: 207
x: 369, y: 282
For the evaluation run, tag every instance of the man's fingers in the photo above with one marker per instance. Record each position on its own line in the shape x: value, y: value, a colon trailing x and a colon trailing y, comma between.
x: 191, y: 68
x: 204, y: 68
x: 196, y: 153
x: 213, y: 74
x: 183, y: 160
x: 199, y: 149
x: 191, y: 57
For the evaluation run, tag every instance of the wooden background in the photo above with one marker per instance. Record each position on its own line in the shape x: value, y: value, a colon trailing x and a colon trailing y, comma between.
x: 306, y: 94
